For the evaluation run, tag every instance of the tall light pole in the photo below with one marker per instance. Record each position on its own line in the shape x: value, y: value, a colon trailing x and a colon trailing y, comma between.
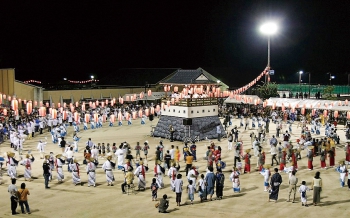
x: 330, y: 78
x: 268, y: 29
x: 92, y: 78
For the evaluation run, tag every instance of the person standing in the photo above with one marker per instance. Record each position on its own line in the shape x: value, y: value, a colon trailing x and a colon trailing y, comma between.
x: 140, y: 173
x: 13, y: 191
x: 218, y: 131
x: 275, y: 183
x: 261, y: 159
x: 157, y: 153
x: 12, y: 163
x: 274, y: 154
x: 41, y: 148
x: 27, y: 163
x: 90, y: 170
x: 310, y: 157
x: 178, y: 188
x: 74, y: 167
x: 63, y: 144
x: 246, y: 158
x: 154, y: 189
x: 191, y: 190
x: 59, y: 164
x: 108, y: 166
x: 220, y: 180
x: 193, y: 149
x: 342, y: 171
x: 302, y: 189
x: 265, y: 172
x: 137, y: 150
x: 23, y: 199
x: 323, y: 158
x: 189, y: 161
x: 171, y: 130
x: 293, y: 181
x: 145, y: 149
x: 238, y: 147
x: 172, y: 172
x: 46, y: 173
x: 229, y: 141
x: 234, y: 177
x: 172, y: 154
x: 210, y: 182
x: 316, y: 186
x: 158, y: 172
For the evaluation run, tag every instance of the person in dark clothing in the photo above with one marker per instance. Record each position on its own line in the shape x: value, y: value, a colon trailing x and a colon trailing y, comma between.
x: 163, y: 205
x: 275, y: 183
x: 63, y: 144
x: 167, y: 159
x: 46, y: 174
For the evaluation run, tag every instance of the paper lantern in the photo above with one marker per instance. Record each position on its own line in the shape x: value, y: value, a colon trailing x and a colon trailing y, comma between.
x: 168, y: 88
x: 127, y: 98
x: 112, y: 118
x: 339, y: 103
x: 106, y: 101
x: 140, y: 113
x: 83, y: 107
x: 264, y: 104
x: 87, y: 118
x: 335, y: 114
x: 147, y: 112
x: 135, y: 97
x: 64, y: 115
x: 64, y: 104
x: 152, y: 110
x: 76, y: 116
x: 29, y: 107
x: 72, y: 108
x: 149, y: 93
x: 346, y: 102
x: 162, y: 106
x: 25, y: 101
x: 50, y: 110
x: 134, y: 115
x: 61, y: 109
x: 274, y: 106
x: 176, y: 89
x: 302, y: 111
x: 58, y: 105
x: 97, y: 103
x: 9, y: 98
x: 127, y: 116
x: 112, y: 103
x: 313, y: 112
x: 35, y: 103
x: 54, y: 113
x: 14, y: 104
x: 95, y: 117
x: 325, y: 113
x: 168, y: 103
x: 76, y: 104
x: 158, y: 108
x: 172, y: 101
x: 0, y: 98
x: 141, y: 95
x: 121, y: 100
x: 348, y: 115
x: 4, y: 112
x: 165, y: 88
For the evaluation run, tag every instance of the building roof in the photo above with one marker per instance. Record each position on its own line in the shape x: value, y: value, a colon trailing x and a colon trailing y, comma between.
x: 187, y: 77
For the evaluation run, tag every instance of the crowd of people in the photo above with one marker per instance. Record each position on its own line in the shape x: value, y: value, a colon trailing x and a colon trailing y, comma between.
x: 285, y: 155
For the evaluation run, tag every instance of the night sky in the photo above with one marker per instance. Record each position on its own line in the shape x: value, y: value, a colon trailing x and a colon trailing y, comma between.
x: 75, y: 39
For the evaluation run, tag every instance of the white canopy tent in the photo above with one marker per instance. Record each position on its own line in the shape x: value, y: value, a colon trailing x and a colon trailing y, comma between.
x: 154, y: 96
x: 309, y: 104
x: 245, y: 99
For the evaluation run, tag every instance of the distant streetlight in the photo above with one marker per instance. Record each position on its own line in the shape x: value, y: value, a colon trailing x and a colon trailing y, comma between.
x: 64, y: 78
x: 218, y: 81
x: 92, y: 78
x: 300, y: 72
x: 330, y: 78
x: 269, y: 28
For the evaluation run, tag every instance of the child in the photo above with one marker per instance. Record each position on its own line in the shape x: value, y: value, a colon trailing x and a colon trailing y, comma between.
x: 302, y: 189
x: 191, y: 190
x: 201, y: 188
x: 154, y: 189
x: 178, y: 188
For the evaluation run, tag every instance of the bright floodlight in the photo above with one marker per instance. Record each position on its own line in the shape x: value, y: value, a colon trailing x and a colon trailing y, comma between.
x: 301, y: 72
x: 92, y: 77
x: 218, y: 81
x: 268, y: 28
x: 332, y: 77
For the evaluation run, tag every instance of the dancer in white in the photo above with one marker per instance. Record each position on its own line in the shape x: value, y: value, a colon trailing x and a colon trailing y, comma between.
x: 159, y: 174
x: 140, y: 173
x: 90, y: 170
x: 342, y: 170
x: 234, y: 177
x: 172, y: 172
x: 59, y: 164
x: 41, y: 148
x: 74, y: 167
x: 192, y: 175
x: 12, y: 164
x: 27, y: 163
x: 266, y: 173
x: 108, y: 166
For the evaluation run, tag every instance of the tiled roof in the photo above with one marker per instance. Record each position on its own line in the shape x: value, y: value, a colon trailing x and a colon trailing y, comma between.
x: 198, y: 76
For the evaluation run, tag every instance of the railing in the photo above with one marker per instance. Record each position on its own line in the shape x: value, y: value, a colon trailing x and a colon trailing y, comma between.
x: 192, y: 102
x: 296, y: 88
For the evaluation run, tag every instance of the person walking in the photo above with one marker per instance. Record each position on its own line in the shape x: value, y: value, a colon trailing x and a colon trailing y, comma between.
x: 293, y: 181
x: 23, y: 199
x: 13, y: 191
x: 218, y: 131
x: 316, y: 186
x: 275, y: 183
x: 302, y: 189
x: 90, y: 171
x: 189, y: 161
x: 220, y: 180
x: 274, y: 154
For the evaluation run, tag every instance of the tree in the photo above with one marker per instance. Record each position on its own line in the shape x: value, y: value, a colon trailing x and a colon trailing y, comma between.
x: 327, y: 93
x: 267, y: 90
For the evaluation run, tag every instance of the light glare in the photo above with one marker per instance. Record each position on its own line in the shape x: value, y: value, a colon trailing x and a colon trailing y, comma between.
x: 268, y: 28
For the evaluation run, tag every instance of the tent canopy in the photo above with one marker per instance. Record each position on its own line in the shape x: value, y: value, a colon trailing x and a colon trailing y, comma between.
x: 154, y: 96
x: 245, y: 99
x: 310, y: 103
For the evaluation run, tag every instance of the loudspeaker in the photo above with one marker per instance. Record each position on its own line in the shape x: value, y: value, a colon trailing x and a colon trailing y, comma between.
x: 187, y: 122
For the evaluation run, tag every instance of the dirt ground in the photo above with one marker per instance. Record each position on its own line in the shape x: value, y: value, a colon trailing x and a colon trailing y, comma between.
x: 67, y: 200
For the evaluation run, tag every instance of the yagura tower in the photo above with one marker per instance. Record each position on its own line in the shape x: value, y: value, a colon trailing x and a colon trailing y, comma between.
x: 191, y: 105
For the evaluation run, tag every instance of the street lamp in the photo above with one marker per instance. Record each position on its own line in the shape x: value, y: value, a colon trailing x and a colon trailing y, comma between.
x: 330, y: 78
x: 300, y: 72
x: 92, y: 78
x: 268, y: 29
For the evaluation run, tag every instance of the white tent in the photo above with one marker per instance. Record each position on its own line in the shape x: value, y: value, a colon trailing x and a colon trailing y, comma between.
x: 154, y: 96
x: 309, y: 103
x: 245, y: 99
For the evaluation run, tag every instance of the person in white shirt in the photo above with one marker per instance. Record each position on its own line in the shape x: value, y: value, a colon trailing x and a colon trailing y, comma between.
x: 172, y: 154
x: 273, y: 151
x: 41, y: 148
x: 120, y: 155
x: 108, y: 166
x: 69, y: 156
